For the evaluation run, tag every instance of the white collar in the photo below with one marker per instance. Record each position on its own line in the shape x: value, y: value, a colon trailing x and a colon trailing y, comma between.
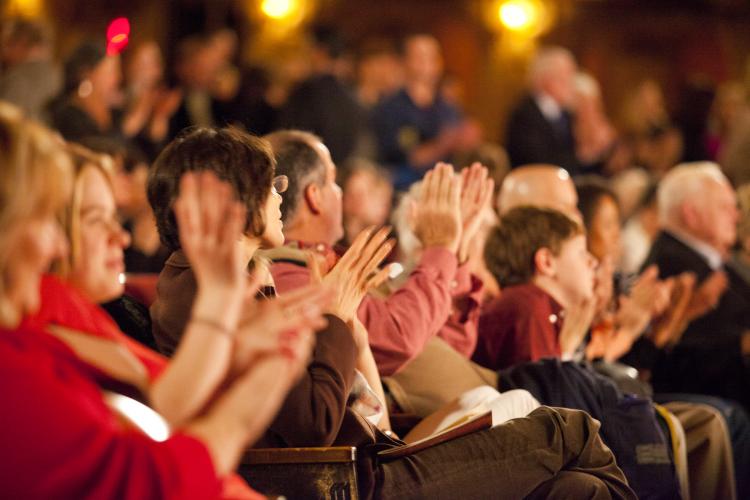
x: 712, y: 256
x: 548, y: 106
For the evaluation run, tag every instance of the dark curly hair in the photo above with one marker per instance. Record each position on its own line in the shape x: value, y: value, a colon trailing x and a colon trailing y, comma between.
x: 243, y: 160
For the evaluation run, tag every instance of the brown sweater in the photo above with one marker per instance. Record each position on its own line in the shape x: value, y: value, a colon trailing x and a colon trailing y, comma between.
x: 313, y: 412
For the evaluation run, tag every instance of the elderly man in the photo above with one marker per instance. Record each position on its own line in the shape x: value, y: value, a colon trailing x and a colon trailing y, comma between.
x: 540, y: 128
x: 698, y: 216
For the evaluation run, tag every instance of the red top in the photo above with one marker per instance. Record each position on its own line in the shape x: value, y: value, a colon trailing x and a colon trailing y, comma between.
x: 62, y: 441
x: 523, y: 324
x: 400, y: 325
x: 64, y: 306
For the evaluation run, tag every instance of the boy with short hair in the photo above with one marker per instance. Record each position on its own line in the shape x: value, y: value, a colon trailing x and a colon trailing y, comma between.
x: 539, y: 258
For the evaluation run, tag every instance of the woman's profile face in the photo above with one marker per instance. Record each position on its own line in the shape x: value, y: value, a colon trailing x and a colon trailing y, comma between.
x: 34, y: 243
x: 273, y: 236
x: 100, y: 262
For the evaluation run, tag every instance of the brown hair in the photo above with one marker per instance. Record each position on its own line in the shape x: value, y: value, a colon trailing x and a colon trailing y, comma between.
x: 34, y: 180
x: 512, y: 245
x: 243, y: 160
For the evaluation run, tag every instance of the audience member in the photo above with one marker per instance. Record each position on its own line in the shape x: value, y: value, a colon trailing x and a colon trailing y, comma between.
x: 57, y: 381
x: 367, y: 197
x: 726, y: 112
x: 416, y: 127
x: 145, y: 254
x: 698, y: 217
x: 196, y: 67
x: 540, y: 260
x: 595, y: 137
x: 540, y: 128
x: 639, y: 232
x: 150, y: 103
x: 657, y: 143
x: 87, y: 105
x: 379, y: 72
x: 323, y: 104
x: 29, y: 77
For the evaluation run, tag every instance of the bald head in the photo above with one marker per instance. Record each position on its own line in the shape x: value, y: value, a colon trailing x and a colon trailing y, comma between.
x: 539, y: 185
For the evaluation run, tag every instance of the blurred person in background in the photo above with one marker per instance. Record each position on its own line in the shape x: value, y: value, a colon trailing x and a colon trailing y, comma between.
x: 379, y: 72
x: 196, y: 69
x: 596, y: 138
x: 88, y: 104
x: 727, y: 108
x: 29, y: 78
x: 541, y: 126
x: 646, y: 124
x: 367, y: 197
x: 150, y: 103
x: 740, y: 260
x: 324, y: 104
x: 417, y: 127
x: 639, y: 232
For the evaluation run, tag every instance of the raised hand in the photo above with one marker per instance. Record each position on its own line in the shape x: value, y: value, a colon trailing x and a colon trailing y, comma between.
x: 476, y: 196
x: 668, y: 329
x: 273, y: 326
x: 210, y: 222
x: 357, y: 272
x: 636, y: 309
x: 707, y: 295
x: 438, y: 209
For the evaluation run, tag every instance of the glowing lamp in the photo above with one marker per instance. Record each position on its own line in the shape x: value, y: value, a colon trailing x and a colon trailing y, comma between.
x: 279, y: 9
x: 519, y: 15
x: 118, y: 33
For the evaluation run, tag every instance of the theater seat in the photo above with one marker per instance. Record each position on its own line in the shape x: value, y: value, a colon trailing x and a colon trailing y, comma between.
x: 302, y: 473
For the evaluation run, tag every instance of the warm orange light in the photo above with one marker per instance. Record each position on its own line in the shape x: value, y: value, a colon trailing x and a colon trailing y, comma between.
x: 280, y: 9
x: 519, y: 15
x: 25, y: 8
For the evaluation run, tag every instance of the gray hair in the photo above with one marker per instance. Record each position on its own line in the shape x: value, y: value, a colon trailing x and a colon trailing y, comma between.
x: 546, y: 62
x: 685, y: 182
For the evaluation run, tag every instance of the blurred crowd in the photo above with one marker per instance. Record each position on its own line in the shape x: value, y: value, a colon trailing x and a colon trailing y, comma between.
x: 217, y: 214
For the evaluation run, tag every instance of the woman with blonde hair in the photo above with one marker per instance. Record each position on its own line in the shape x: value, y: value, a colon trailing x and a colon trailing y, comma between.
x: 73, y: 431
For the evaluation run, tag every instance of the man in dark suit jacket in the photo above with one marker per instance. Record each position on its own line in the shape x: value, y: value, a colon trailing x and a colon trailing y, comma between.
x: 697, y: 209
x: 540, y: 128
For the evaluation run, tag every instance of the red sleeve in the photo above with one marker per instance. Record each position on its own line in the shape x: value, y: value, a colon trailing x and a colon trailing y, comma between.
x: 401, y: 325
x: 66, y: 443
x: 460, y: 331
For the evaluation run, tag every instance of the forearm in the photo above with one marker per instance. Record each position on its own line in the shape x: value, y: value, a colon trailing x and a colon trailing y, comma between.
x: 367, y: 367
x: 201, y: 362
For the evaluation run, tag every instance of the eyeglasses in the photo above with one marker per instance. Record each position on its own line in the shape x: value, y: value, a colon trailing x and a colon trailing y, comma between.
x: 280, y: 183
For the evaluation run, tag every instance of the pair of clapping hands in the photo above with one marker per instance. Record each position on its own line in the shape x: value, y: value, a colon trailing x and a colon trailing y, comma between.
x: 667, y: 305
x: 448, y: 211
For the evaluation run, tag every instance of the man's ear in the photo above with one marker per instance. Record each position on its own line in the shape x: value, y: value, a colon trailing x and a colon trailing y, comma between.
x: 690, y: 216
x: 544, y: 262
x: 312, y: 198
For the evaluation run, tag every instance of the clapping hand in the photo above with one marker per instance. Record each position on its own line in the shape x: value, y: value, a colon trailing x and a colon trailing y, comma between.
x: 356, y: 272
x: 438, y: 209
x: 476, y: 196
x: 210, y: 221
